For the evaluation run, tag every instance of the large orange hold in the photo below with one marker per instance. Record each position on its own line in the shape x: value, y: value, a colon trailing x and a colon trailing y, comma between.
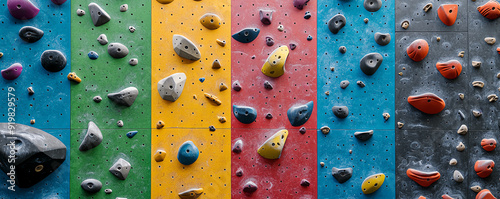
x: 424, y: 179
x: 448, y: 13
x: 428, y: 103
x: 490, y: 10
x: 485, y: 194
x: 418, y: 50
x: 489, y: 144
x: 450, y: 69
x: 484, y: 168
x: 422, y: 197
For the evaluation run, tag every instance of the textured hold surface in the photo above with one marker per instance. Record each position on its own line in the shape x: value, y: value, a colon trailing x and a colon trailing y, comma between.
x: 269, y: 41
x: 92, y: 138
x: 372, y: 183
x: 160, y: 155
x: 73, y: 77
x: 450, y: 69
x: 448, y: 13
x: 93, y: 55
x: 210, y: 21
x: 125, y: 97
x: 91, y: 185
x: 463, y: 130
x: 131, y: 134
x: 246, y: 35
x: 22, y: 9
x: 12, y: 72
x: 250, y: 187
x: 382, y: 38
x: 238, y: 146
x: 336, y: 23
x: 460, y: 147
x: 490, y: 40
x: 273, y: 147
x: 102, y: 39
x: 304, y: 183
x: 484, y: 168
x: 370, y: 63
x: 340, y: 111
x: 214, y: 99
x: 344, y: 84
x: 188, y: 153
x: 428, y: 103
x: 30, y: 34
x: 485, y: 194
x: 108, y: 191
x: 490, y: 9
x: 427, y: 7
x: 275, y: 63
x: 245, y: 114
x: 457, y: 176
x: 124, y: 8
x: 266, y: 16
x: 191, y: 193
x: 80, y: 12
x: 365, y: 135
x: 120, y: 169
x: 170, y: 88
x: 98, y: 15
x: 418, y: 50
x: 489, y: 144
x: 372, y: 5
x: 185, y: 48
x: 117, y: 50
x: 342, y: 175
x: 299, y: 114
x: 299, y: 4
x: 424, y: 179
x: 53, y: 60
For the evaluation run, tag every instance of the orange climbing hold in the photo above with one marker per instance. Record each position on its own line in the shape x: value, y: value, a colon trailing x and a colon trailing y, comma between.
x: 424, y: 179
x: 418, y: 50
x: 428, y: 103
x: 498, y: 50
x: 490, y: 10
x: 446, y: 196
x: 448, y: 13
x: 484, y: 168
x: 450, y: 69
x: 485, y: 194
x: 422, y: 197
x: 489, y: 144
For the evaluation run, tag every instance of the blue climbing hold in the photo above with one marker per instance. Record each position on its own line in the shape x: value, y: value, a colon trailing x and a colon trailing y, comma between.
x: 244, y: 114
x: 309, y: 38
x: 202, y: 79
x: 93, y: 55
x: 247, y: 35
x: 299, y: 114
x: 131, y: 134
x: 188, y: 153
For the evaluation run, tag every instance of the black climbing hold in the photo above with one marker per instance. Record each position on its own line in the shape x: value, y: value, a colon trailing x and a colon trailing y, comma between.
x: 91, y: 185
x: 266, y: 16
x: 269, y: 116
x: 246, y: 35
x: 269, y: 41
x: 304, y: 183
x: 342, y: 175
x: 30, y: 34
x: 336, y: 23
x: 53, y: 60
x: 307, y: 15
x: 302, y: 130
x: 372, y: 5
x: 382, y: 38
x: 342, y: 49
x: 309, y: 38
x: 117, y: 50
x: 340, y: 111
x: 120, y: 169
x: 211, y: 128
x: 268, y: 85
x: 365, y: 135
x: 370, y: 63
x: 244, y: 114
x: 299, y: 114
x: 344, y: 84
x: 292, y: 46
x: 98, y: 15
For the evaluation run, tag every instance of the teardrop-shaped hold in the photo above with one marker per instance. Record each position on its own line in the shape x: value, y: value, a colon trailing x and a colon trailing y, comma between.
x: 446, y: 196
x: 73, y: 77
x: 244, y: 114
x: 170, y: 88
x: 485, y: 194
x: 342, y: 175
x: 484, y: 168
x: 91, y: 185
x: 191, y: 193
x: 372, y: 183
x: 299, y: 4
x: 428, y: 103
x: 490, y: 10
x: 53, y: 60
x: 12, y: 72
x: 131, y: 134
x: 365, y: 135
x: 125, y: 97
x: 121, y: 169
x: 418, y: 50
x: 370, y: 63
x: 275, y: 63
x: 266, y: 16
x: 117, y: 50
x: 185, y: 48
x: 164, y: 1
x: 188, y: 153
x: 30, y: 34
x: 98, y: 15
x: 336, y: 23
x: 424, y: 179
x: 210, y: 21
x: 489, y: 144
x: 93, y: 55
x: 92, y: 138
x: 299, y: 114
x: 236, y: 85
x: 340, y: 111
x: 22, y: 9
x: 382, y: 38
x: 246, y: 35
x: 160, y: 155
x: 272, y: 147
x: 448, y: 13
x: 372, y: 5
x: 450, y: 69
x: 250, y: 187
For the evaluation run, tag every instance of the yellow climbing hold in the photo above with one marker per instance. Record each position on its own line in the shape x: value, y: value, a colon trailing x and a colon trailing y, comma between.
x: 164, y: 1
x: 72, y: 77
x: 222, y: 86
x: 191, y: 193
x: 275, y: 63
x: 221, y: 42
x: 210, y: 21
x: 272, y: 148
x: 222, y: 119
x: 160, y: 124
x: 213, y: 98
x: 372, y: 183
x: 160, y: 155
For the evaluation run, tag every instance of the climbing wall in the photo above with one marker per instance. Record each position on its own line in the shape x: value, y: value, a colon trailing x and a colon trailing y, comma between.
x: 281, y: 177
x: 189, y: 117
x: 101, y: 77
x: 49, y: 105
x: 367, y: 98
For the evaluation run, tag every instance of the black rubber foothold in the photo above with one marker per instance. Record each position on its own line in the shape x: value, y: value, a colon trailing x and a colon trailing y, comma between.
x: 382, y: 38
x: 372, y: 5
x: 365, y: 135
x: 342, y: 175
x: 53, y: 60
x: 336, y: 23
x: 370, y: 63
x: 340, y: 111
x: 30, y: 34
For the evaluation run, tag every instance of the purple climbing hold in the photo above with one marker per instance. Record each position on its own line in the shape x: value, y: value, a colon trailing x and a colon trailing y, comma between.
x: 305, y: 183
x: 58, y: 2
x: 268, y: 85
x: 236, y: 85
x: 22, y: 9
x: 12, y: 72
x: 269, y: 41
x: 292, y: 46
x: 302, y: 130
x: 250, y: 187
x: 239, y: 172
x: 299, y: 4
x: 266, y: 16
x: 269, y: 116
x: 238, y: 146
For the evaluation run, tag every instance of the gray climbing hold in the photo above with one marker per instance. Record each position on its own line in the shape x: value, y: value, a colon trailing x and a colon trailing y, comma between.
x: 108, y: 191
x: 120, y: 169
x: 171, y: 87
x: 266, y: 16
x: 268, y: 85
x: 336, y: 23
x: 30, y: 34
x: 124, y: 8
x: 91, y: 185
x: 344, y: 84
x: 457, y: 176
x: 97, y: 99
x: 80, y: 12
x: 340, y: 111
x: 125, y: 97
x: 53, y: 60
x: 299, y: 114
x: 133, y: 61
x: 238, y: 146
x: 372, y: 5
x: 360, y: 83
x: 342, y: 49
x: 102, y: 39
x: 382, y: 38
x: 92, y: 138
x: 117, y: 50
x: 131, y: 29
x: 185, y: 48
x: 365, y: 135
x: 342, y: 175
x: 370, y: 63
x: 98, y: 15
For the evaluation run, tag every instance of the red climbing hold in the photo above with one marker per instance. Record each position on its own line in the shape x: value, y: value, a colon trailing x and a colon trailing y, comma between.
x: 418, y: 50
x: 498, y: 50
x: 428, y: 103
x: 490, y: 10
x: 424, y: 179
x: 485, y: 194
x: 448, y: 13
x: 484, y: 168
x: 450, y: 69
x: 489, y: 144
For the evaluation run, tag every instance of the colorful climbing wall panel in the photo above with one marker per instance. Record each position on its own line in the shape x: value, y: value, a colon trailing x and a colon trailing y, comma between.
x: 50, y: 103
x: 101, y: 77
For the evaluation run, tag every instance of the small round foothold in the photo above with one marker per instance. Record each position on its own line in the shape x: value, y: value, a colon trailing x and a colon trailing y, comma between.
x: 269, y: 41
x: 238, y: 146
x: 344, y: 84
x: 453, y: 162
x: 160, y: 124
x: 292, y: 46
x: 131, y: 29
x: 302, y: 130
x: 211, y: 128
x: 386, y: 116
x: 102, y: 39
x: 322, y: 164
x: 97, y: 99
x: 108, y: 191
x: 463, y: 129
x: 239, y: 172
x: 457, y: 176
x: 1, y: 54
x: 281, y: 28
x: 307, y: 15
x: 366, y: 20
x: 133, y: 61
x: 123, y: 7
x: 342, y: 49
x: 405, y: 25
x: 268, y: 85
x: 32, y: 121
x: 269, y: 116
x: 400, y: 125
x: 119, y: 123
x: 93, y: 55
x: 325, y: 130
x: 360, y: 83
x: 80, y: 12
x: 309, y: 38
x: 460, y: 147
x: 236, y: 86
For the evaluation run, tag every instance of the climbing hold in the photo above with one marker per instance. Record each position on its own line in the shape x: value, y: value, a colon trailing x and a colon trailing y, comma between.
x: 418, y: 50
x: 490, y: 10
x: 211, y: 128
x: 222, y: 119
x: 269, y: 41
x: 405, y: 24
x: 268, y: 85
x: 490, y: 40
x: 170, y: 88
x: 117, y: 50
x: 446, y: 196
x: 97, y: 99
x: 360, y: 83
x: 309, y: 38
x: 185, y: 48
x: 372, y: 5
x: 460, y: 147
x: 370, y: 63
x: 12, y: 72
x: 123, y: 7
x: 292, y: 46
x: 336, y: 23
x: 191, y: 193
x: 188, y: 153
x: 216, y: 64
x: 372, y: 183
x: 244, y: 114
x: 342, y: 175
x: 438, y: 39
x: 363, y: 136
x: 160, y: 124
x: 125, y: 97
x: 221, y: 42
x: 120, y: 169
x: 463, y: 129
x: 131, y: 134
x: 461, y: 54
x: 22, y: 9
x: 1, y: 54
x: 133, y: 61
x: 108, y: 191
x: 246, y: 35
x: 422, y: 197
x: 340, y: 111
x: 93, y: 55
x: 222, y: 86
x: 322, y: 164
x: 213, y: 99
x: 342, y: 49
x: 428, y: 103
x: 484, y: 168
x: 236, y: 86
x: 492, y: 98
x: 457, y: 176
x: 272, y: 147
x: 476, y: 188
x: 164, y: 1
x: 450, y: 69
x: 304, y: 183
x: 427, y: 7
x: 281, y: 28
x: 424, y: 179
x: 489, y: 144
x: 299, y: 114
x: 250, y: 187
x: 307, y: 15
x: 485, y: 194
x: 210, y: 21
x: 299, y: 4
x: 53, y: 60
x: 478, y: 84
x: 344, y: 84
x: 202, y: 79
x: 238, y: 146
x: 80, y: 12
x: 73, y: 77
x: 119, y: 123
x: 498, y: 50
x: 453, y: 162
x: 302, y: 130
x: 400, y: 125
x: 366, y: 20
x: 98, y: 15
x: 448, y: 13
x: 266, y: 16
x: 269, y: 116
x: 58, y: 2
x: 477, y: 113
x: 461, y: 96
x: 382, y: 38
x: 30, y: 34
x: 102, y: 39
x: 30, y: 91
x: 91, y: 185
x: 131, y: 29
x: 325, y: 130
x: 160, y: 155
x: 476, y: 64
x: 92, y: 138
x: 386, y: 116
x: 275, y: 63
